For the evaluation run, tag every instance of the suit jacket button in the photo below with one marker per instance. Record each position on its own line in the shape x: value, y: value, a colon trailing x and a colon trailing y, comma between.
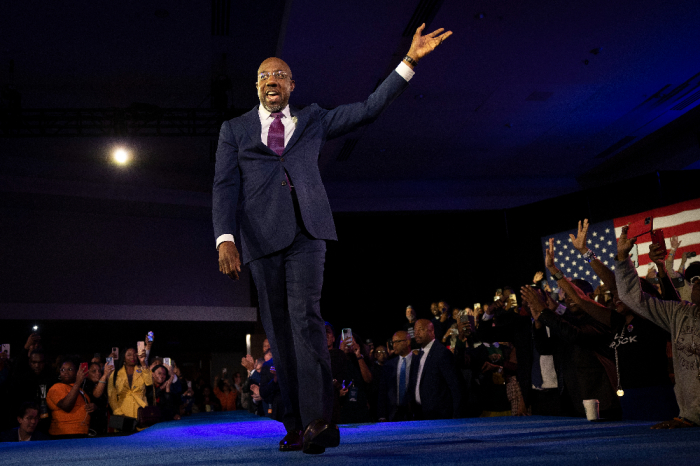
x: 284, y: 183
x: 282, y: 159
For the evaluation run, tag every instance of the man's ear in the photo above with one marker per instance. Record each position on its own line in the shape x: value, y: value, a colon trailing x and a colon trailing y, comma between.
x: 292, y: 84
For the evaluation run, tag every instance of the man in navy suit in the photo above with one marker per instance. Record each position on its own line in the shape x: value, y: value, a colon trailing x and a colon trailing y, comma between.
x: 392, y: 404
x: 434, y: 387
x: 268, y: 158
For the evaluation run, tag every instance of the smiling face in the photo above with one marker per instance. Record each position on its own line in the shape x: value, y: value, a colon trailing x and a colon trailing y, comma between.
x: 160, y: 376
x: 274, y: 91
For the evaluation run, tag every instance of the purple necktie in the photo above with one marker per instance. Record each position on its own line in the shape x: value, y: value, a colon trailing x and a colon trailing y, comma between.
x: 275, y: 137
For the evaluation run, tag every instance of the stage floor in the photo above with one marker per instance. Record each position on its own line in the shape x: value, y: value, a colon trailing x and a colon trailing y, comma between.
x: 239, y: 437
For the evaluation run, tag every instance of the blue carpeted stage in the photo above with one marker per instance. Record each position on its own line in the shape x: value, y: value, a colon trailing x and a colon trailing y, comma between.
x: 239, y: 437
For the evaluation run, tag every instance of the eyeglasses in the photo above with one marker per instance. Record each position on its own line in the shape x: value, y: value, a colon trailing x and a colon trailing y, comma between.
x: 277, y: 74
x: 381, y: 352
x: 397, y: 341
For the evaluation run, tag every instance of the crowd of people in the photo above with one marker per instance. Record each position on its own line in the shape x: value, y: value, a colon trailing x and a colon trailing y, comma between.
x: 122, y: 393
x: 631, y: 343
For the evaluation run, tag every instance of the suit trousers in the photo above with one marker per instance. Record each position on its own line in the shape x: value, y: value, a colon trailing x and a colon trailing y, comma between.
x: 289, y: 286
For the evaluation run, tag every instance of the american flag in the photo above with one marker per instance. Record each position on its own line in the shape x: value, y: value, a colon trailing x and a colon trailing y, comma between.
x: 682, y: 220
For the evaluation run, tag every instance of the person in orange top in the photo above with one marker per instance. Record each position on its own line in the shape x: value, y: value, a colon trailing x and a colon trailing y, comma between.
x: 227, y: 396
x: 70, y: 406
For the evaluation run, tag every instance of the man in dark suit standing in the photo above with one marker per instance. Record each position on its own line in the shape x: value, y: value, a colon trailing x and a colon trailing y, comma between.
x: 392, y: 404
x: 269, y: 158
x: 434, y: 387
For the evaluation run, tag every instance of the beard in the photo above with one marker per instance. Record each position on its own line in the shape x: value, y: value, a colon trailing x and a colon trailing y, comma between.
x: 273, y: 108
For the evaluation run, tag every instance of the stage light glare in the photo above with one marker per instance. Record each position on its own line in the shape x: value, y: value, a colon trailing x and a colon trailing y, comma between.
x: 121, y: 156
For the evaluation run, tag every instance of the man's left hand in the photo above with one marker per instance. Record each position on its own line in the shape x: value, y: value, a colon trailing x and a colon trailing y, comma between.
x: 423, y: 45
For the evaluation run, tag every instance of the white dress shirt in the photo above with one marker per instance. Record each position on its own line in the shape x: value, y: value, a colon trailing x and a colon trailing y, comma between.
x: 408, y: 358
x: 289, y: 126
x: 426, y: 350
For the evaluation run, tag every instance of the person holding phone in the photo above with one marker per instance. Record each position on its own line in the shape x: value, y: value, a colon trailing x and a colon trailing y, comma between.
x: 69, y: 404
x: 96, y: 387
x: 127, y: 385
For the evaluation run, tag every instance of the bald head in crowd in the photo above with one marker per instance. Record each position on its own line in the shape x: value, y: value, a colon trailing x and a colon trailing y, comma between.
x: 424, y: 332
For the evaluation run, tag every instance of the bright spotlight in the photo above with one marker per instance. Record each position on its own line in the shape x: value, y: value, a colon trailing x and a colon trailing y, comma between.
x: 121, y: 156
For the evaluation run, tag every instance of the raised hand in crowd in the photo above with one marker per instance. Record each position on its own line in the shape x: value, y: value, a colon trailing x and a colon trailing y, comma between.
x: 248, y: 362
x: 675, y: 242
x: 33, y: 342
x: 491, y: 309
x: 538, y: 277
x: 537, y: 303
x: 624, y: 244
x: 142, y: 358
x: 579, y: 241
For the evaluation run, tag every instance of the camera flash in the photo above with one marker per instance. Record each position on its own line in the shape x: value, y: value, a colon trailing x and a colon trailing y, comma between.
x: 620, y: 392
x: 35, y: 328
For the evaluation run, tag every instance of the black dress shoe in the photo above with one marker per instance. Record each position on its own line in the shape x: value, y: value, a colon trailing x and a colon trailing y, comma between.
x: 320, y: 435
x: 291, y: 442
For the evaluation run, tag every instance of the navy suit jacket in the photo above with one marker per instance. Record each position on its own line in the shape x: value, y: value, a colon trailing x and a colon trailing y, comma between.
x: 387, y: 402
x: 440, y: 394
x: 248, y: 170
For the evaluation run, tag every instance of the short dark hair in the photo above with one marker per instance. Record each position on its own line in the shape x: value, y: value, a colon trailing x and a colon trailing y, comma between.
x: 26, y: 406
x: 167, y: 373
x: 583, y: 285
x: 693, y: 270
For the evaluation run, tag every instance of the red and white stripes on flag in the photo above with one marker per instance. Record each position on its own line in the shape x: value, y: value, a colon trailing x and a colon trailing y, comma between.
x: 682, y: 220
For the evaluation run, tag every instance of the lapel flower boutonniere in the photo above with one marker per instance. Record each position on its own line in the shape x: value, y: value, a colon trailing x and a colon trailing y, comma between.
x: 294, y: 120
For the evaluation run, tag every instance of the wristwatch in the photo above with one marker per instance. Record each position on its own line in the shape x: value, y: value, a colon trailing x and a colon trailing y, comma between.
x: 558, y: 276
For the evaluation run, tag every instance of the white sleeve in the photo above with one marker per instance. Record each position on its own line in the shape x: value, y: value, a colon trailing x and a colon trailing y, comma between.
x: 224, y: 237
x: 405, y: 71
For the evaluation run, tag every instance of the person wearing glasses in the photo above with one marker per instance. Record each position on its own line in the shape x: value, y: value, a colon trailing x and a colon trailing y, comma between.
x: 392, y: 401
x: 69, y: 404
x: 268, y: 158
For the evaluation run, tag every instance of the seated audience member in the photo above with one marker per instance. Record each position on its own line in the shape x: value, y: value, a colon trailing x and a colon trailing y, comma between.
x: 354, y: 406
x: 96, y: 387
x: 392, y: 399
x: 167, y: 401
x: 579, y: 344
x: 679, y: 319
x: 128, y: 384
x: 225, y: 393
x: 70, y: 406
x: 434, y: 387
x: 28, y: 419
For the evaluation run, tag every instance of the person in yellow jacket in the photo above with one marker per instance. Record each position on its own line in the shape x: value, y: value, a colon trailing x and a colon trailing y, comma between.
x: 127, y: 386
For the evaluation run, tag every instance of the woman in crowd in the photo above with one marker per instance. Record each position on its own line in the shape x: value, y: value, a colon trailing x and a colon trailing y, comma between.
x: 70, y: 406
x: 225, y: 393
x: 96, y: 387
x: 167, y: 401
x: 127, y: 386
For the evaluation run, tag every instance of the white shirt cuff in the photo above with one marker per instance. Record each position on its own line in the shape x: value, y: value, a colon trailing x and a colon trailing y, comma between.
x: 561, y: 309
x: 486, y: 317
x: 405, y: 71
x: 224, y: 237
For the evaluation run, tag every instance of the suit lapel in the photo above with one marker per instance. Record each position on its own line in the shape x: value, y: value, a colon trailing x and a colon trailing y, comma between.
x: 251, y: 123
x: 302, y: 119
